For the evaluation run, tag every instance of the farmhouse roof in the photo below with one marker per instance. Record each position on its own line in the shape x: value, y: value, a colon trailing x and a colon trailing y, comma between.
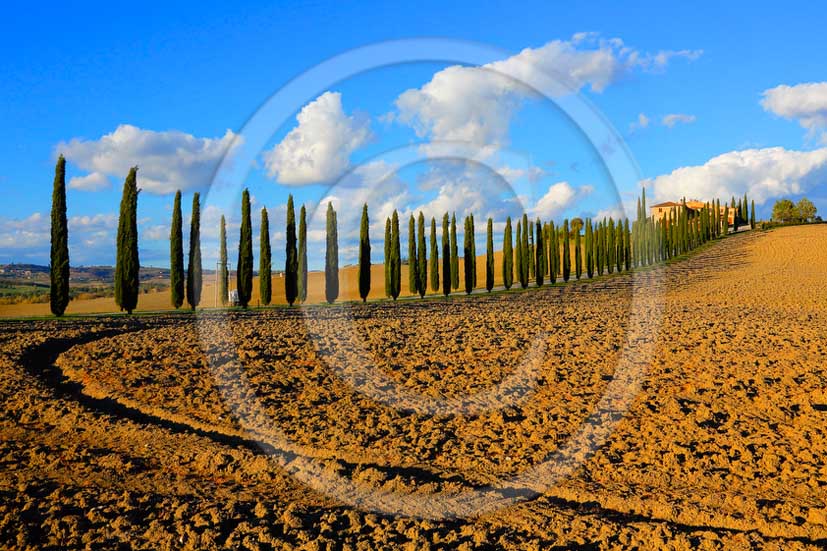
x: 666, y: 204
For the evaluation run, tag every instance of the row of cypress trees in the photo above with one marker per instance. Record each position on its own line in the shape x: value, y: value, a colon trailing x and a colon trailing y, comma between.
x: 540, y: 249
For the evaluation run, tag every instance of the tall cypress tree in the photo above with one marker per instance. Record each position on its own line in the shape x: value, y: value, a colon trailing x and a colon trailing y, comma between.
x: 413, y: 265
x: 468, y: 255
x: 265, y: 282
x: 127, y: 264
x: 331, y: 257
x: 176, y: 254
x: 540, y: 254
x: 244, y: 271
x: 627, y: 245
x: 396, y: 260
x: 566, y: 251
x: 752, y: 215
x: 531, y: 253
x: 610, y: 246
x: 508, y: 256
x: 524, y: 254
x: 291, y: 260
x: 421, y: 256
x: 434, y: 260
x: 454, y: 254
x: 59, y: 258
x: 387, y: 259
x: 578, y: 255
x: 224, y: 272
x: 364, y: 254
x: 519, y: 251
x: 736, y: 216
x: 301, y: 276
x: 589, y: 252
x: 599, y: 248
x: 446, y: 257
x: 553, y: 254
x: 619, y: 253
x: 725, y: 221
x: 194, y: 268
x: 473, y: 251
x: 489, y: 256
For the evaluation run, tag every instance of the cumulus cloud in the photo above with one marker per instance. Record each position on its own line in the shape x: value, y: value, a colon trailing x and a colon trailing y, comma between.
x: 806, y: 103
x: 319, y: 148
x: 94, y: 181
x: 672, y: 119
x: 763, y: 173
x: 475, y: 104
x: 558, y: 198
x: 167, y: 161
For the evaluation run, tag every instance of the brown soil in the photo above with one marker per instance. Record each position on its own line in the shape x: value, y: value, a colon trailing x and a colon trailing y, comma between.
x: 134, y: 433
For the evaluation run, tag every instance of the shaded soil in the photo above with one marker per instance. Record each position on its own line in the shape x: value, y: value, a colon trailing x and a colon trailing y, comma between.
x: 157, y: 432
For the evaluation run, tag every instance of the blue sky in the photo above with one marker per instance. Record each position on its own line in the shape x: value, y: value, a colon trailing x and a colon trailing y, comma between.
x: 711, y: 100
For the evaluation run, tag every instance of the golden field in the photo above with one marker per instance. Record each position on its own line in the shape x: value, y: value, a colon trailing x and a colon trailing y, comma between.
x: 152, y: 432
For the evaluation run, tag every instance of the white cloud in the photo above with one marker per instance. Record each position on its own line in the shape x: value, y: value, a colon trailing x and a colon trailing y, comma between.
x: 94, y: 181
x: 319, y: 148
x: 641, y: 122
x: 27, y: 233
x: 672, y: 119
x: 806, y: 103
x: 167, y: 161
x: 511, y: 174
x: 474, y: 105
x: 557, y: 199
x: 763, y: 173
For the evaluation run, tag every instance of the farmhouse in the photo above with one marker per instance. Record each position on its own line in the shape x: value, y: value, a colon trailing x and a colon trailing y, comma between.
x: 660, y: 210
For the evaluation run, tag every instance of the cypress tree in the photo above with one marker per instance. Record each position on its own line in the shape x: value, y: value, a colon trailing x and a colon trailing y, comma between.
x: 331, y: 257
x: 224, y: 273
x: 745, y: 209
x: 413, y: 265
x: 434, y: 258
x: 291, y: 261
x: 176, y: 254
x: 387, y: 259
x: 539, y: 252
x: 265, y: 282
x: 725, y: 224
x: 519, y: 254
x: 301, y: 277
x: 194, y: 268
x: 508, y: 256
x: 421, y: 256
x: 752, y: 216
x: 599, y: 248
x: 578, y: 258
x: 127, y: 264
x: 446, y: 258
x: 589, y: 252
x: 610, y: 246
x: 468, y: 255
x: 454, y: 254
x: 736, y: 216
x: 59, y: 256
x: 244, y: 270
x: 396, y: 260
x: 489, y: 256
x: 526, y: 255
x: 473, y: 251
x: 531, y: 253
x: 627, y: 245
x: 553, y: 254
x: 364, y: 254
x: 619, y: 253
x: 566, y: 251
